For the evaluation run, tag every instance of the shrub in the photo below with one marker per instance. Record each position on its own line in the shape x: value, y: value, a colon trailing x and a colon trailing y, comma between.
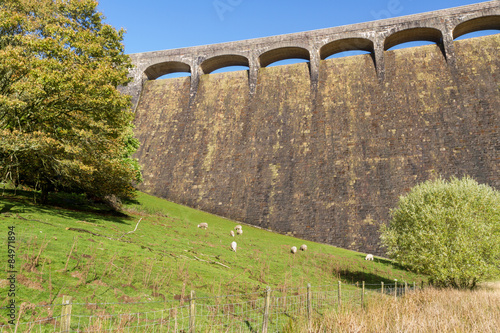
x: 449, y: 230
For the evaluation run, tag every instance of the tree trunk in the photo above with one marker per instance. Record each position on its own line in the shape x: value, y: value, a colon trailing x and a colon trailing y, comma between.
x: 45, y: 194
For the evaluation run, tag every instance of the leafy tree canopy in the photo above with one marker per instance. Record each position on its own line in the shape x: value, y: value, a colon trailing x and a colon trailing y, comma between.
x: 449, y: 230
x: 63, y: 123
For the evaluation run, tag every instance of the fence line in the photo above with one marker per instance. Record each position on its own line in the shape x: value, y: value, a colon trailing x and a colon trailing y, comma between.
x: 269, y: 312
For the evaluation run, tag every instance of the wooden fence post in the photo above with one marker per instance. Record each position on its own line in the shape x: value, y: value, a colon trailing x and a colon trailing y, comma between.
x: 175, y: 320
x: 382, y: 290
x: 192, y: 312
x: 309, y: 306
x: 414, y: 287
x: 340, y: 295
x: 363, y: 293
x: 66, y: 313
x: 265, y: 318
x: 406, y: 288
x: 396, y: 289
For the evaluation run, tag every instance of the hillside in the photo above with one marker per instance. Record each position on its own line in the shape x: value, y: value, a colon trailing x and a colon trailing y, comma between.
x: 153, y: 251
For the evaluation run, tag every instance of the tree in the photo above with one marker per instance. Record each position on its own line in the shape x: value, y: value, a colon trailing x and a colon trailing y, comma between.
x: 63, y: 123
x: 449, y: 230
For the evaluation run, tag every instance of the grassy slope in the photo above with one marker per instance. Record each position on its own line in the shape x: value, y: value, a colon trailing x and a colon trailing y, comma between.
x: 166, y: 256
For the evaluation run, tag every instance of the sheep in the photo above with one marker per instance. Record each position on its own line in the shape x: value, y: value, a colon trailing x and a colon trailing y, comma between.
x: 237, y: 227
x: 231, y: 233
x: 369, y: 257
x: 239, y: 231
x: 303, y: 247
x: 233, y: 246
x: 293, y: 249
x: 203, y: 225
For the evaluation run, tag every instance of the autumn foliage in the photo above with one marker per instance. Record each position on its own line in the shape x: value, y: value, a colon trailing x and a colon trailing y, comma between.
x: 63, y: 123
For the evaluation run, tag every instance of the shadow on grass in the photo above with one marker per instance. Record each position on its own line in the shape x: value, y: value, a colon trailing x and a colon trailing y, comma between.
x: 131, y: 202
x: 384, y: 261
x: 371, y: 272
x: 6, y: 208
x: 249, y: 326
x: 67, y: 205
x: 372, y: 281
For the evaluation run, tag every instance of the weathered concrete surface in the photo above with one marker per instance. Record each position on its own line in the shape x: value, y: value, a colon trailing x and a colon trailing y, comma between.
x: 441, y: 27
x: 328, y: 163
x: 327, y: 170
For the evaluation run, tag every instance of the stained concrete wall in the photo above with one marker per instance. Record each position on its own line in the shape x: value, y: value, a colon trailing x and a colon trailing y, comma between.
x: 441, y: 27
x: 325, y: 165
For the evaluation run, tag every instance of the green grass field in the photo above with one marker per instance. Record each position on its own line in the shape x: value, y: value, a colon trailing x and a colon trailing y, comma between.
x: 99, y: 256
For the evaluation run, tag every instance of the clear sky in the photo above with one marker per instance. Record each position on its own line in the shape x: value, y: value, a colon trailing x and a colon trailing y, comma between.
x: 166, y: 24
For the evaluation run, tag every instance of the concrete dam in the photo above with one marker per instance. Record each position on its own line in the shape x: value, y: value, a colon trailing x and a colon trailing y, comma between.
x: 322, y: 150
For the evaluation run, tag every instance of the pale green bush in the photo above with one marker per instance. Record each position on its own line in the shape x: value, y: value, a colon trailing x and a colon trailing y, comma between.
x: 449, y: 230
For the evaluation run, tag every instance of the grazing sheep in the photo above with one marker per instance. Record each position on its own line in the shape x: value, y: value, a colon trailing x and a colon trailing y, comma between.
x: 231, y: 233
x: 303, y: 247
x: 239, y: 231
x: 293, y: 249
x: 369, y: 257
x: 237, y: 227
x: 203, y: 225
x: 233, y: 246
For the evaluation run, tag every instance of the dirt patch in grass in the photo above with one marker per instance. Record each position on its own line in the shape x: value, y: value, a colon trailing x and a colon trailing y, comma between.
x: 99, y: 283
x: 28, y: 283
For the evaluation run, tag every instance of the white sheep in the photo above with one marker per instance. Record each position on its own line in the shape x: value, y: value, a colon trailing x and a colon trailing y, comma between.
x: 369, y: 257
x: 303, y: 247
x: 237, y: 227
x: 239, y: 231
x: 233, y: 246
x: 231, y: 233
x: 203, y: 225
x: 293, y: 249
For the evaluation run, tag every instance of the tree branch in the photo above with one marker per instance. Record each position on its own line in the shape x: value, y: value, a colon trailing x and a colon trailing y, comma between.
x: 132, y: 230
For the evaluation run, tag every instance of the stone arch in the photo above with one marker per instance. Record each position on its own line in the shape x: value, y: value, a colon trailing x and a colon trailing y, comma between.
x: 346, y: 44
x: 221, y: 61
x: 412, y: 35
x: 283, y: 53
x: 155, y: 71
x: 491, y: 22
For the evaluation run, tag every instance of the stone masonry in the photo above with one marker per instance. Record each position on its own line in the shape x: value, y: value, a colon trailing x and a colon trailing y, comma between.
x: 322, y: 150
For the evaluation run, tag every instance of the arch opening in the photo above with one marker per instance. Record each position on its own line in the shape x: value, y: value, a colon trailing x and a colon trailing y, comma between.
x: 230, y: 69
x: 346, y: 47
x: 284, y: 56
x: 167, y: 70
x: 173, y: 75
x: 344, y: 54
x: 480, y: 33
x: 413, y: 37
x: 290, y: 61
x: 225, y: 63
x: 481, y: 26
x: 411, y: 44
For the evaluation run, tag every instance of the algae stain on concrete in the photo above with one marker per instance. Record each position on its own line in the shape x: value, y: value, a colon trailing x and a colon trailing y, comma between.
x: 329, y: 171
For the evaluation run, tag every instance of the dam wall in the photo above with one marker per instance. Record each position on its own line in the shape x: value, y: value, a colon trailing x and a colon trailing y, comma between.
x: 323, y: 157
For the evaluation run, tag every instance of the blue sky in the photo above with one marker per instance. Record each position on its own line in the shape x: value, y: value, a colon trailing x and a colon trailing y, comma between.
x: 153, y: 25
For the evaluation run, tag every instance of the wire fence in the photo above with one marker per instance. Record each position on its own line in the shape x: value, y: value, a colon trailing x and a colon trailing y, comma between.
x: 264, y: 312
